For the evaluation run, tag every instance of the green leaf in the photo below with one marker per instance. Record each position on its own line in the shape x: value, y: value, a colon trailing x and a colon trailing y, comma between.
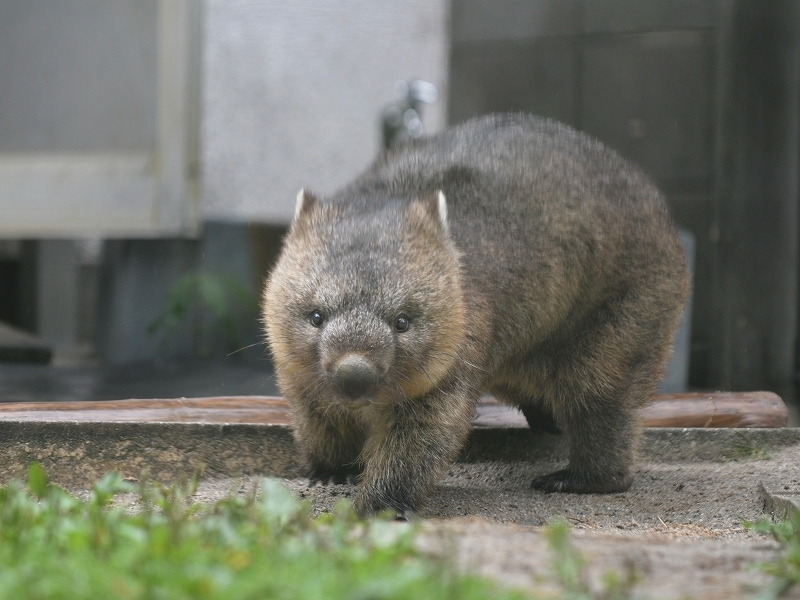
x: 278, y: 504
x: 37, y: 480
x: 786, y: 569
x: 207, y: 307
x: 109, y: 486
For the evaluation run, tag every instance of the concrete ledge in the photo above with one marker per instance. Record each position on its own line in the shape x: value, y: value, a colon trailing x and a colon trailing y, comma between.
x: 780, y: 504
x: 668, y: 444
x: 657, y: 444
x: 76, y: 454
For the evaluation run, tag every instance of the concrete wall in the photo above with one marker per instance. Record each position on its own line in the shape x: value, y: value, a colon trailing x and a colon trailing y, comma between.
x: 702, y: 93
x: 293, y: 93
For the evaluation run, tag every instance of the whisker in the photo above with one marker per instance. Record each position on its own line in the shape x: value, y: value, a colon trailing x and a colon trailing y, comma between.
x: 404, y: 377
x: 433, y: 383
x: 246, y: 347
x: 462, y: 359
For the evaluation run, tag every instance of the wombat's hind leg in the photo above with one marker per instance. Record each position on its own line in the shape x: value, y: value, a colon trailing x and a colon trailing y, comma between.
x: 602, y: 377
x: 344, y: 474
x: 601, y: 452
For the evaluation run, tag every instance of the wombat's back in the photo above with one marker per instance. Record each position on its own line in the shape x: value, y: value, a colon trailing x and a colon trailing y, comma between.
x: 549, y: 221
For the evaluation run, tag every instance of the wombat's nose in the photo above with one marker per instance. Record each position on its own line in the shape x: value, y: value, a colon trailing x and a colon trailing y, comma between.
x: 355, y: 376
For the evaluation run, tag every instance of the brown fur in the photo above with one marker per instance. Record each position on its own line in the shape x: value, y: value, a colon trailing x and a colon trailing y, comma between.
x: 555, y: 280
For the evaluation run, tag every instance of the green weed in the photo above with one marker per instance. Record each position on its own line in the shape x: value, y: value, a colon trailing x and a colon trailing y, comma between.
x: 160, y: 544
x: 261, y: 545
x: 570, y: 570
x: 786, y: 570
x: 210, y: 308
x: 746, y: 449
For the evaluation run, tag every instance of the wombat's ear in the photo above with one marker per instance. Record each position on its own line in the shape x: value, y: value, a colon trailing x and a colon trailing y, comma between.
x: 435, y: 206
x: 306, y: 201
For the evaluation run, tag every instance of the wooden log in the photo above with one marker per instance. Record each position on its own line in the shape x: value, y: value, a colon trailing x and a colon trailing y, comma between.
x: 717, y: 409
x: 707, y: 409
x: 268, y: 410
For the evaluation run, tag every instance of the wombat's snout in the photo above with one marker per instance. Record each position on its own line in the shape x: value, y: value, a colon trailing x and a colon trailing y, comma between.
x: 355, y: 376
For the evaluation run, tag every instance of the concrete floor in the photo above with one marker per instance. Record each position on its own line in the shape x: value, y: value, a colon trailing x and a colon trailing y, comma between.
x: 191, y: 379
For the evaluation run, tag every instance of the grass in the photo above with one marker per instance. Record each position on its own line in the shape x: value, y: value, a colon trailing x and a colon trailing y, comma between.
x: 54, y: 545
x: 785, y: 570
x: 570, y: 569
x: 746, y: 449
x: 265, y: 545
x: 209, y: 308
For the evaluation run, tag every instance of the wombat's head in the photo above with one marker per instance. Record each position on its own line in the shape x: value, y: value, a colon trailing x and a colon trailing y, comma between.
x: 365, y: 304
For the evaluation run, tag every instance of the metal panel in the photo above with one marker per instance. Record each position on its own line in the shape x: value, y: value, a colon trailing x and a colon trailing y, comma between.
x: 606, y: 16
x: 46, y: 195
x: 650, y: 97
x: 535, y: 76
x: 478, y: 20
x: 78, y: 75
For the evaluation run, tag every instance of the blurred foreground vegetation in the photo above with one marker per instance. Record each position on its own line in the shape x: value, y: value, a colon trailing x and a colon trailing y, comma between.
x: 263, y: 545
x: 148, y: 541
x: 786, y: 570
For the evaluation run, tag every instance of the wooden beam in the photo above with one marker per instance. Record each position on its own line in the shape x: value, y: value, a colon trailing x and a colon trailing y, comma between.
x: 716, y: 409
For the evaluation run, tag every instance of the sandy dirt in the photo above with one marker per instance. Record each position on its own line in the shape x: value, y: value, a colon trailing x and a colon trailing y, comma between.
x: 678, y: 529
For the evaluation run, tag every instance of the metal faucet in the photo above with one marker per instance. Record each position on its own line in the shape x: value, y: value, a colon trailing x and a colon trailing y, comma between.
x: 401, y: 120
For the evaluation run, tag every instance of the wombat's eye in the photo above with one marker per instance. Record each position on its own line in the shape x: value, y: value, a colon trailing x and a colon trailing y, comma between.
x: 401, y: 323
x: 316, y: 318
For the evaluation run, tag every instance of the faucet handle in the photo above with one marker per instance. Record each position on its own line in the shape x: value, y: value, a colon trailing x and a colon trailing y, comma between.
x: 402, y: 120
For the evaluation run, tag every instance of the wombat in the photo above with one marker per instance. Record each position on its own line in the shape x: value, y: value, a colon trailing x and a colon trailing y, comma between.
x: 509, y: 254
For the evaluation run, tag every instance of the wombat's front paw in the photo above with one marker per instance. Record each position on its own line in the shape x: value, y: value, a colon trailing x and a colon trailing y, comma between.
x: 571, y: 481
x: 367, y: 504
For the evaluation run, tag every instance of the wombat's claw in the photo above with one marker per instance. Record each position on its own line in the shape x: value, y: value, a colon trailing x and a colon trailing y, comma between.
x: 403, y: 515
x: 335, y: 478
x: 570, y: 482
x: 550, y: 483
x: 342, y: 479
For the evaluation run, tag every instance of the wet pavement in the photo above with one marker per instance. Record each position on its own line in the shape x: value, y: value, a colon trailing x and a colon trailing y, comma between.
x: 189, y: 379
